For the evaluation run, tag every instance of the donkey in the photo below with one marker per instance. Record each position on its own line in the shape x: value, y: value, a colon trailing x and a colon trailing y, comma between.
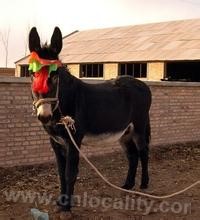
x: 117, y: 108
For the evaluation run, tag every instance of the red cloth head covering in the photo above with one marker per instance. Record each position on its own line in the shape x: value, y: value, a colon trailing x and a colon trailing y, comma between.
x: 39, y: 84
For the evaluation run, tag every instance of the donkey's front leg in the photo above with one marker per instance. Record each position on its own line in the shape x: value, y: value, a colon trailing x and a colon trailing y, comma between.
x: 71, y: 172
x: 60, y: 154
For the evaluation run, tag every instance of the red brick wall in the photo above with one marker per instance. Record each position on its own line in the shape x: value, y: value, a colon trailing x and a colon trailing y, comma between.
x: 175, y: 118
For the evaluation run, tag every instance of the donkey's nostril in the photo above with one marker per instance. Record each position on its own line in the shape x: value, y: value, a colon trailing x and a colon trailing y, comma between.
x: 44, y: 119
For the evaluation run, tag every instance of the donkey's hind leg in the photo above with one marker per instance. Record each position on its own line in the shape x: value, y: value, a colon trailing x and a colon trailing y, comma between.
x: 143, y: 153
x: 144, y: 157
x: 132, y: 156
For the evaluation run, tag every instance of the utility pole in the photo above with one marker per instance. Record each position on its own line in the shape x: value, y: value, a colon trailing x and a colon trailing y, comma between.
x: 5, y: 41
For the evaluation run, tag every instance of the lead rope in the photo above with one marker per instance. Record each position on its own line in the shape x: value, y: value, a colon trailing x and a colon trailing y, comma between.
x: 68, y: 122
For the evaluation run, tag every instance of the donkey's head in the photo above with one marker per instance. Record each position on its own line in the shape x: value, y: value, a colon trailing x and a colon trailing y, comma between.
x: 43, y: 64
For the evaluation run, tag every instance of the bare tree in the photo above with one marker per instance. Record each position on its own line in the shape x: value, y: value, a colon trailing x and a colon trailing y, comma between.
x: 26, y: 39
x: 5, y: 40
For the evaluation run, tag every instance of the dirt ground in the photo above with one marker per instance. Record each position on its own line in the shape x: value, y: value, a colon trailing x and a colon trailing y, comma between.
x: 171, y: 169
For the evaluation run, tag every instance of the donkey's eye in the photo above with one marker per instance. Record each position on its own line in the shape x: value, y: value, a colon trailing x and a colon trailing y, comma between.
x: 49, y: 80
x: 53, y: 77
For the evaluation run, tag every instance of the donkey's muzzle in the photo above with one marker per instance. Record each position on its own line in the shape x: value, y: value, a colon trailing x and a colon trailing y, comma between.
x: 44, y: 112
x: 44, y: 119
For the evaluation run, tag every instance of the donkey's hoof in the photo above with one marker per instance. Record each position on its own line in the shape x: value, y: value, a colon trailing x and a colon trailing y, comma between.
x: 66, y: 216
x: 143, y: 186
x: 127, y: 186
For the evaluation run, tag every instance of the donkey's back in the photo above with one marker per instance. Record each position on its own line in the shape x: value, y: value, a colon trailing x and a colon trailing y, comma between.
x: 111, y: 106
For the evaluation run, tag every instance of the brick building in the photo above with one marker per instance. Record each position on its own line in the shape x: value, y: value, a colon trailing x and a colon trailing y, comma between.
x: 5, y: 71
x: 166, y: 50
x: 150, y: 52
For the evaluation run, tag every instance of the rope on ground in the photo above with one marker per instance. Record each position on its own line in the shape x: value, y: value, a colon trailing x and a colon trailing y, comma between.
x: 121, y: 189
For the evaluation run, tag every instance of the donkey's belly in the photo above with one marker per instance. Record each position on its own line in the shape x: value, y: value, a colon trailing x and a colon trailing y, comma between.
x: 105, y: 138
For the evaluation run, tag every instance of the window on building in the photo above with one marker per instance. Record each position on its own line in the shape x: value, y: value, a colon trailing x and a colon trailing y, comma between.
x: 24, y: 72
x: 137, y: 70
x: 183, y: 71
x: 91, y: 70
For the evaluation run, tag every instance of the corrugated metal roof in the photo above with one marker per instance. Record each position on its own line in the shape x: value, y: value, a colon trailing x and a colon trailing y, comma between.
x: 174, y: 40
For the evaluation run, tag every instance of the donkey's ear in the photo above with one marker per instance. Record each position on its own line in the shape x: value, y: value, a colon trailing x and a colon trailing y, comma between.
x: 56, y: 40
x: 34, y: 40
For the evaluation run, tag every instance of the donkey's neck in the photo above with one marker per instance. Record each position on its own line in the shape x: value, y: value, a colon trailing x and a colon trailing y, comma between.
x: 69, y: 87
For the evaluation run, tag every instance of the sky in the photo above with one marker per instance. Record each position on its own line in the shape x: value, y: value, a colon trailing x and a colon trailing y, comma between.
x: 18, y: 16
